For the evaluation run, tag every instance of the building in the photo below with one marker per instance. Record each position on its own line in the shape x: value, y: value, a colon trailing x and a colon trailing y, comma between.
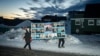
x: 49, y: 18
x: 77, y: 18
x: 92, y: 19
x: 87, y: 22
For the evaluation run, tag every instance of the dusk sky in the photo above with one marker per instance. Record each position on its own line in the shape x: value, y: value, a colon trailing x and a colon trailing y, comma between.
x: 35, y: 9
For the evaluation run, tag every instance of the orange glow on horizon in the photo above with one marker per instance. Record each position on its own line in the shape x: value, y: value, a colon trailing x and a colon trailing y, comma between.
x: 13, y: 16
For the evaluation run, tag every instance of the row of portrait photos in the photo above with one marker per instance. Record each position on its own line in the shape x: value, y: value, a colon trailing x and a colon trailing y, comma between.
x: 48, y: 30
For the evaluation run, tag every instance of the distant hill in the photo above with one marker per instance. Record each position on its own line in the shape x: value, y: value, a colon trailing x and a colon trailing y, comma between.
x: 10, y: 22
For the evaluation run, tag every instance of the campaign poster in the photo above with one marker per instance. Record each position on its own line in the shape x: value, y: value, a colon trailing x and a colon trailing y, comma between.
x: 50, y: 30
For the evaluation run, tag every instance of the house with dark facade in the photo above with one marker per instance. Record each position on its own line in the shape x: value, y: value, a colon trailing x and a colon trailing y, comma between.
x: 77, y: 18
x: 86, y: 22
x: 50, y: 18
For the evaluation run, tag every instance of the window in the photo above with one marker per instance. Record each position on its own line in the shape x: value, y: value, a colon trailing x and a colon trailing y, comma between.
x: 90, y: 22
x: 98, y: 22
x: 77, y: 22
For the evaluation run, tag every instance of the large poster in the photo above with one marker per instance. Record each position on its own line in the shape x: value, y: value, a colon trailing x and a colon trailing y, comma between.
x: 50, y: 30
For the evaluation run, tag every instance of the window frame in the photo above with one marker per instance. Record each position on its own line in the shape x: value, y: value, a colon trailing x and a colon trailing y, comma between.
x: 77, y: 20
x: 98, y: 20
x: 91, y: 20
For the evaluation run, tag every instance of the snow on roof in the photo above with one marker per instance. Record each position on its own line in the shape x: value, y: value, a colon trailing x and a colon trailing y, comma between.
x: 24, y: 24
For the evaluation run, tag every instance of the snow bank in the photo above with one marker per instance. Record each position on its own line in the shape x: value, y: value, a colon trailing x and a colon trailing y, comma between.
x: 75, y: 41
x: 68, y: 40
x: 13, y: 34
x: 18, y: 34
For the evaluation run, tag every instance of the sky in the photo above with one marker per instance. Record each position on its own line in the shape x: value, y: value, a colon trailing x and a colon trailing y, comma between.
x: 35, y: 9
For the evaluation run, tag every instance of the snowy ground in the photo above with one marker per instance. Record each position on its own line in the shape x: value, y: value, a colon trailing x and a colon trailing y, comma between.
x: 80, y: 44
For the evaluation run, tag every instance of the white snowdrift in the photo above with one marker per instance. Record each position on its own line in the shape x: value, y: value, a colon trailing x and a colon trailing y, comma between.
x: 13, y: 34
x: 18, y: 34
x: 73, y: 44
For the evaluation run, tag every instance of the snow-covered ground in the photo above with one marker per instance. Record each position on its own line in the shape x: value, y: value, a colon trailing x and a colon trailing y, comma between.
x: 81, y: 44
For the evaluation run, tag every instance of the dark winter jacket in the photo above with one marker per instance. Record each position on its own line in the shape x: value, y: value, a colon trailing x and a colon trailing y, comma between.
x: 27, y: 37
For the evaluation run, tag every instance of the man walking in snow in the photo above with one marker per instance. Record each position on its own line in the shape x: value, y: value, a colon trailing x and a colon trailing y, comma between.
x: 27, y: 38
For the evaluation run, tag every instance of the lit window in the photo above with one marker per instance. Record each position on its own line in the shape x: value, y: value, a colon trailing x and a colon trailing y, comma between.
x: 90, y: 22
x: 98, y: 22
x: 77, y: 22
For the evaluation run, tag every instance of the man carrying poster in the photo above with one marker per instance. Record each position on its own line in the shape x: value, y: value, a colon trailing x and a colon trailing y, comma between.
x: 61, y: 43
x: 27, y: 38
